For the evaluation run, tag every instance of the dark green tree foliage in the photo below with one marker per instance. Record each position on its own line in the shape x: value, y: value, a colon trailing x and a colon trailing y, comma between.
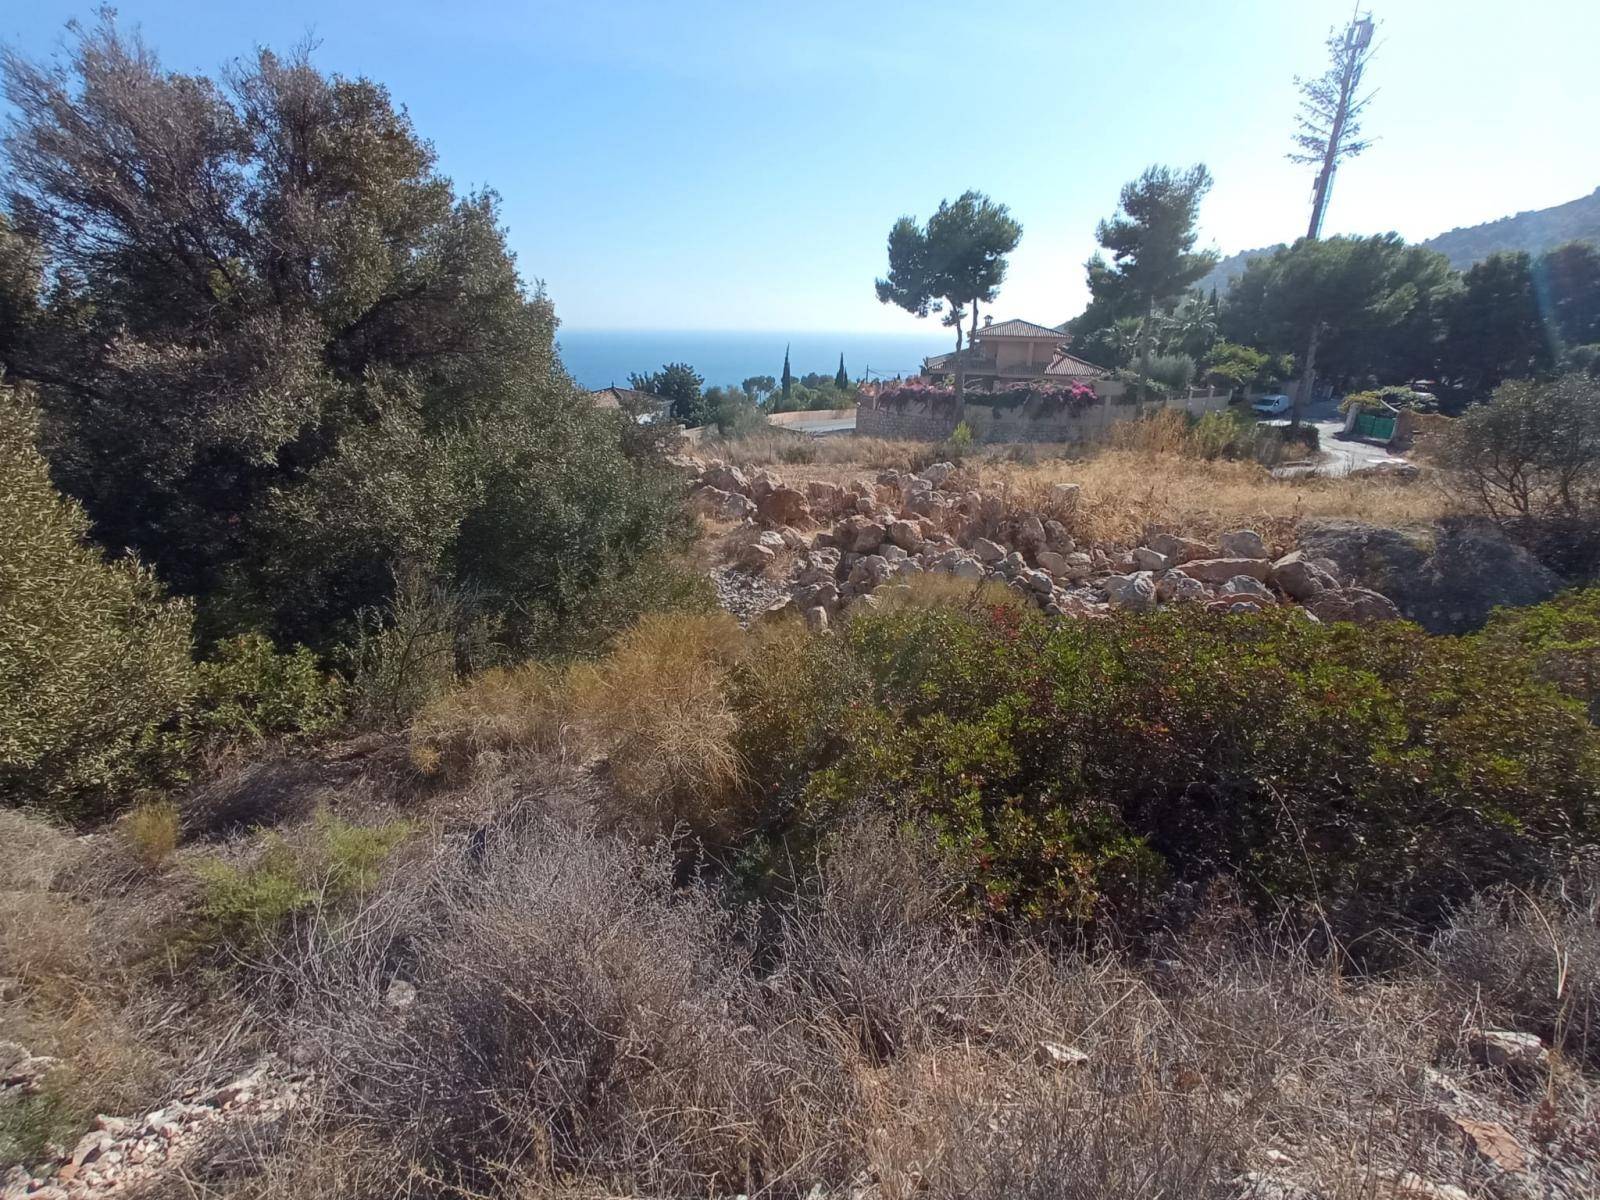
x: 1566, y: 281
x: 1379, y: 304
x: 680, y: 386
x: 788, y: 375
x: 279, y: 355
x: 954, y: 263
x: 841, y: 378
x: 1497, y: 330
x: 1151, y: 239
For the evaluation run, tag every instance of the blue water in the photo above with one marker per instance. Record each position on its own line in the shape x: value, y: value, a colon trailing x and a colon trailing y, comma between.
x: 598, y: 358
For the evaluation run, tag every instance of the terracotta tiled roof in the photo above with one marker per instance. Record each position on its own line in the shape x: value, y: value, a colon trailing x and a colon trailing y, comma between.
x: 612, y: 397
x: 1064, y: 365
x: 1019, y: 329
x: 970, y: 359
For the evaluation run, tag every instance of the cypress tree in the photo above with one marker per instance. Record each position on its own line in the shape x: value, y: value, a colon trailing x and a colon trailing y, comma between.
x: 842, y: 380
x: 788, y: 375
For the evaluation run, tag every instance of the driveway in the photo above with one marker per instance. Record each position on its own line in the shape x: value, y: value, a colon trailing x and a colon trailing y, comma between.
x: 1340, y: 455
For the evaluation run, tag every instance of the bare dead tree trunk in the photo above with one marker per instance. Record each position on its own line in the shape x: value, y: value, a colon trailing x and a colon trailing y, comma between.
x: 1308, y: 377
x: 1146, y: 330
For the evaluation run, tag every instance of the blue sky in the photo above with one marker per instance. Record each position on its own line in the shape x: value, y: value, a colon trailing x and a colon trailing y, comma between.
x: 689, y: 164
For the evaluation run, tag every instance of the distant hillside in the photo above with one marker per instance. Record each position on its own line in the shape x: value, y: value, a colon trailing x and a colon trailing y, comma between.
x: 1535, y: 231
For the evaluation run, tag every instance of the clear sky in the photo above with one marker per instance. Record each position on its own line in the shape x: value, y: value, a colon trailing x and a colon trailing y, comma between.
x: 700, y: 164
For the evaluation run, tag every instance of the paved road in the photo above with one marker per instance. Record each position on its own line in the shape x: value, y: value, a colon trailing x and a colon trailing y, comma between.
x: 1340, y: 455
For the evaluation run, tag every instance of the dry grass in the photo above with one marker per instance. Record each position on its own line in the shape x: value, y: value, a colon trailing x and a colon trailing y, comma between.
x: 1532, y: 961
x: 151, y: 831
x: 1147, y: 476
x: 653, y: 715
x: 586, y: 1026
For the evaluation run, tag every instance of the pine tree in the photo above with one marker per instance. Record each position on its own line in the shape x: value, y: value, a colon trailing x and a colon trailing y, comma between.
x: 788, y: 375
x: 842, y: 379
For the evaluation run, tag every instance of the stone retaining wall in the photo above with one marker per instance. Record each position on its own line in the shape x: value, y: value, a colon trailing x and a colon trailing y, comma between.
x: 1011, y: 425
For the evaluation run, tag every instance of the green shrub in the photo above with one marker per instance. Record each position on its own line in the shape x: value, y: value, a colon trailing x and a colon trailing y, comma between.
x: 248, y: 690
x: 1080, y: 768
x: 330, y: 861
x: 94, y: 660
x: 1562, y: 640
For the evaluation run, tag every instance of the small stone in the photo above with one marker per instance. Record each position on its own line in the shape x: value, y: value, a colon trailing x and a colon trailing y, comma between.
x: 1508, y: 1050
x: 987, y: 551
x: 1058, y: 1054
x: 816, y: 618
x: 400, y: 994
x: 90, y: 1147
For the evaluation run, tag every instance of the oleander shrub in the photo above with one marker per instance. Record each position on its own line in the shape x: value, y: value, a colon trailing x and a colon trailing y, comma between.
x: 1094, y: 768
x: 247, y: 689
x: 95, y: 674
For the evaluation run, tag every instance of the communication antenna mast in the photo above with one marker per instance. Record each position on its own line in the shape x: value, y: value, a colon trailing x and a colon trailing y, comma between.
x: 1356, y: 49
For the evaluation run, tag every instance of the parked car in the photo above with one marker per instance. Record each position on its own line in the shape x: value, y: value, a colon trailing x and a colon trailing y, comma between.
x: 1273, y: 406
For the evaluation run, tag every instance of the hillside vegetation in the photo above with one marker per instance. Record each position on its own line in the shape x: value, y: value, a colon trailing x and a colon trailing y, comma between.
x: 387, y: 808
x: 1532, y: 232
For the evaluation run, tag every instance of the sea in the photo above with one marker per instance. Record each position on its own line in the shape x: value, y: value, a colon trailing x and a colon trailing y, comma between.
x: 598, y: 358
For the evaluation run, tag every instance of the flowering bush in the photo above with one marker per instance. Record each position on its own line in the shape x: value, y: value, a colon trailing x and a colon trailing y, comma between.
x: 1038, y: 400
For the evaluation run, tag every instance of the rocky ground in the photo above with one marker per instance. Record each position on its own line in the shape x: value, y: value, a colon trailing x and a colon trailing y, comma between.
x: 120, y: 1155
x: 824, y: 550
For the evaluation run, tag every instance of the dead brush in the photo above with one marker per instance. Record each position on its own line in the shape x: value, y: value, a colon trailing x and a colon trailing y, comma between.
x: 656, y: 709
x: 509, y: 710
x: 1531, y: 961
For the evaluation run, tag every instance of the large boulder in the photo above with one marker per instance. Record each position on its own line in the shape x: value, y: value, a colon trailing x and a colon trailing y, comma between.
x: 1353, y: 604
x: 1220, y: 570
x: 1180, y: 549
x: 987, y: 551
x: 784, y: 506
x: 1244, y: 543
x: 1146, y: 559
x: 1297, y: 577
x: 905, y: 534
x: 722, y: 505
x: 728, y: 479
x: 1447, y: 578
x: 1135, y: 593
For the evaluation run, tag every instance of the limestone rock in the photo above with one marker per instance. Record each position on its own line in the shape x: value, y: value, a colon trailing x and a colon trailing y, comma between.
x: 1509, y: 1050
x: 1180, y: 549
x: 725, y: 478
x: 784, y: 506
x: 1133, y: 593
x: 987, y: 551
x: 1220, y: 570
x: 722, y: 505
x: 1297, y: 577
x: 1244, y: 543
x: 1146, y: 559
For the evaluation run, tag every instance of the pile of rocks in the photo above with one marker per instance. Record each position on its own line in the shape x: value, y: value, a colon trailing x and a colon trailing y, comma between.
x: 122, y: 1155
x: 850, y: 542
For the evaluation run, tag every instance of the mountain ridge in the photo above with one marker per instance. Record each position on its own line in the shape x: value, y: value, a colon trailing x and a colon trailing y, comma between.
x: 1534, y: 230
